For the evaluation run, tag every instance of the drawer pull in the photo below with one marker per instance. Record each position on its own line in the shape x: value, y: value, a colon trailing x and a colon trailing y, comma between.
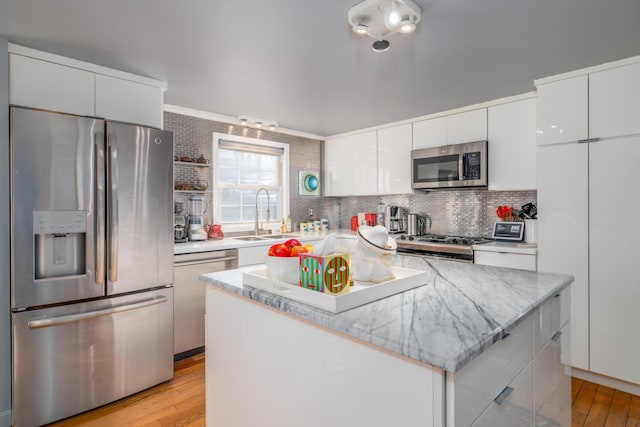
x: 503, y: 395
x: 556, y: 336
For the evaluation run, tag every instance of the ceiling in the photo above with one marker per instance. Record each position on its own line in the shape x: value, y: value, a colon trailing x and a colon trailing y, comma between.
x: 297, y: 61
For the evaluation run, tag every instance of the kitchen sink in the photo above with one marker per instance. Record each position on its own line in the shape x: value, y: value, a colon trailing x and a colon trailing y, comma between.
x: 249, y: 238
x: 277, y: 236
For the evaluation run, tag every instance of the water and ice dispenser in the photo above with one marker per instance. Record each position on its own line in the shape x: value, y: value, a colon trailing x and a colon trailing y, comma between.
x: 60, y: 239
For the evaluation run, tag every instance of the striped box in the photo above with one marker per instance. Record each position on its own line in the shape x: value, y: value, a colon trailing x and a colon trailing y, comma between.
x: 330, y: 274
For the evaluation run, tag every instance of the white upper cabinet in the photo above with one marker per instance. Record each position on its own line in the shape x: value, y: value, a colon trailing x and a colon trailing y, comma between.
x: 563, y: 111
x: 394, y: 160
x: 430, y: 133
x: 41, y: 84
x: 469, y: 126
x: 458, y: 128
x: 127, y: 101
x: 52, y: 82
x: 614, y: 102
x: 512, y: 146
x: 351, y: 165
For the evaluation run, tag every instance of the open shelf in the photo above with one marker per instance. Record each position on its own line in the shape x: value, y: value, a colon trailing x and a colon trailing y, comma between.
x: 193, y: 164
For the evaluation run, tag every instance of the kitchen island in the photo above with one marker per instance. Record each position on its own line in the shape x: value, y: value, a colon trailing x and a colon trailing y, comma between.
x: 445, y: 354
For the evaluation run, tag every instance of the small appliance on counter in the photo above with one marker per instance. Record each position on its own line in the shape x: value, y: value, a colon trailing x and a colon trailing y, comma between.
x: 511, y: 231
x: 394, y: 220
x: 179, y: 223
x: 197, y: 207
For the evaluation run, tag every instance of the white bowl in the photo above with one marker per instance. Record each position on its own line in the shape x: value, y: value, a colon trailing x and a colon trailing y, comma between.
x: 284, y: 269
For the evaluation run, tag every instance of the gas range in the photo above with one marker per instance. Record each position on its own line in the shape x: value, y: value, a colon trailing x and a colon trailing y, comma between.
x: 440, y: 246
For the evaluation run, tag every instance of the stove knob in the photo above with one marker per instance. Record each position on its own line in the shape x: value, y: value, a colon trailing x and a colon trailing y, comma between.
x: 403, y: 237
x: 410, y: 237
x: 454, y: 241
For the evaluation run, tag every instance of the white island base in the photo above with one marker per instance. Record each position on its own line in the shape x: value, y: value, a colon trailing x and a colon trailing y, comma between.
x: 265, y: 367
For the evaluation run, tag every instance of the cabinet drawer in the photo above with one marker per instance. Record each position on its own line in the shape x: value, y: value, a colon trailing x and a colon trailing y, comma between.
x: 547, y: 322
x: 505, y: 259
x: 480, y: 382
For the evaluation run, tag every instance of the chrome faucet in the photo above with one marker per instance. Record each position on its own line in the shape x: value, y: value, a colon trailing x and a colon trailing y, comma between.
x: 258, y: 192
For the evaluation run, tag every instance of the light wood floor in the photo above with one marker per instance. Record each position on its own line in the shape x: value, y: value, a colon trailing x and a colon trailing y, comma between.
x: 180, y: 402
x: 597, y: 405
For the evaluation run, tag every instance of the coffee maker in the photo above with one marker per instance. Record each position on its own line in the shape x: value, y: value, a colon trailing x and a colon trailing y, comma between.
x: 393, y: 220
x: 179, y: 223
x: 196, y: 206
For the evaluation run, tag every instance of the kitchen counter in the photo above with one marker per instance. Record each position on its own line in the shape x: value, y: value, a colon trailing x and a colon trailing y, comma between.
x: 236, y: 243
x: 462, y: 310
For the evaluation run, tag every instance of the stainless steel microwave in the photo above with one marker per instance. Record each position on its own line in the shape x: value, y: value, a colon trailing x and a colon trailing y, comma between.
x: 450, y: 166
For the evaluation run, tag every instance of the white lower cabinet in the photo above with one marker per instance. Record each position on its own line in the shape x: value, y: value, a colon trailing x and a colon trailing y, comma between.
x: 614, y: 283
x: 505, y: 259
x: 514, y: 406
x: 519, y: 381
x: 563, y: 231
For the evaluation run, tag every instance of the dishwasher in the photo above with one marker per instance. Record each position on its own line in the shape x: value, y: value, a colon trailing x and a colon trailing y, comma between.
x: 189, y: 296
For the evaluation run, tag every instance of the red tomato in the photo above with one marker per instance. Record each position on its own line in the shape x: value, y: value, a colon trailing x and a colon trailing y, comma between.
x: 292, y: 242
x: 297, y: 250
x: 278, y: 249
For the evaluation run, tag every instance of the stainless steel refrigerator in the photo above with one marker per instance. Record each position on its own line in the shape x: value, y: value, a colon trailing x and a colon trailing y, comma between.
x: 91, y: 262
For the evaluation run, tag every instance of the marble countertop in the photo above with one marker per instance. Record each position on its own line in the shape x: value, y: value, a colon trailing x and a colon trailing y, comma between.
x: 462, y: 310
x: 235, y: 243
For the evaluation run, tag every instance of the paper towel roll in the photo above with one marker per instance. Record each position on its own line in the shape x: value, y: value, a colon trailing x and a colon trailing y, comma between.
x: 530, y: 231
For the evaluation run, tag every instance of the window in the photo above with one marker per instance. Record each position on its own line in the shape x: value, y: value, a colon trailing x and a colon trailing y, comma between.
x: 241, y: 167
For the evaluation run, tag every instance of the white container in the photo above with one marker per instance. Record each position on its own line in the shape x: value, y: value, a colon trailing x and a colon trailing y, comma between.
x: 284, y: 269
x: 531, y: 231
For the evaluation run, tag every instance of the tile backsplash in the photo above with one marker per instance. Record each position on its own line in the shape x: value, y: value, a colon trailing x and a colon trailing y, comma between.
x: 459, y: 212
x: 463, y: 212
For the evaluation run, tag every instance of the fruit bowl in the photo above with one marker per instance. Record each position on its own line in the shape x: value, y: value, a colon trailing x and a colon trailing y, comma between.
x: 283, y: 269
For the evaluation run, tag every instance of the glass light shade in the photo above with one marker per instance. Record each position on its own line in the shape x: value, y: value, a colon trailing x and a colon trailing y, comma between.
x: 360, y: 29
x: 407, y: 26
x: 392, y: 16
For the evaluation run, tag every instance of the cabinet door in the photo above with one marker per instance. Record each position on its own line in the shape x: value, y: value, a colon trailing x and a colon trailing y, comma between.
x: 613, y: 258
x: 562, y: 111
x: 41, y: 84
x: 430, y: 133
x: 512, y: 146
x: 563, y: 243
x: 128, y: 101
x: 467, y: 127
x: 614, y: 102
x: 394, y: 160
x: 545, y: 386
x: 351, y: 165
x: 563, y: 378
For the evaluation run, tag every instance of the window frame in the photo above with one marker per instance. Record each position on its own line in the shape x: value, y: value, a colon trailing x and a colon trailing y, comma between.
x: 273, y: 223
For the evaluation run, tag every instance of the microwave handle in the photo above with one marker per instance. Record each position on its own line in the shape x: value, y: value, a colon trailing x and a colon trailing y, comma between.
x: 464, y: 165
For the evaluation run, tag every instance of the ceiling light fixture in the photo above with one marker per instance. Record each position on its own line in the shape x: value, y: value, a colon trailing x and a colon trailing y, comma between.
x: 380, y: 19
x: 257, y: 123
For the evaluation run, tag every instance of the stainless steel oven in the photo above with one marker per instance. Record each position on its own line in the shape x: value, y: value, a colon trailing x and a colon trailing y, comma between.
x: 450, y: 166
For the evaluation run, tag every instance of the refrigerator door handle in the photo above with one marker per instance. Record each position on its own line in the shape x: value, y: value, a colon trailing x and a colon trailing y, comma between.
x: 113, y: 208
x: 100, y: 209
x: 70, y: 318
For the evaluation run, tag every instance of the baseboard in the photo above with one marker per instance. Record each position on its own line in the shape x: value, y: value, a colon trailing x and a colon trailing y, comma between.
x: 606, y: 381
x: 188, y: 353
x: 5, y: 418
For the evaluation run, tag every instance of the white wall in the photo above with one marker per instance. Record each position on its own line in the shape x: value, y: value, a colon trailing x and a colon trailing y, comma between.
x: 5, y: 305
